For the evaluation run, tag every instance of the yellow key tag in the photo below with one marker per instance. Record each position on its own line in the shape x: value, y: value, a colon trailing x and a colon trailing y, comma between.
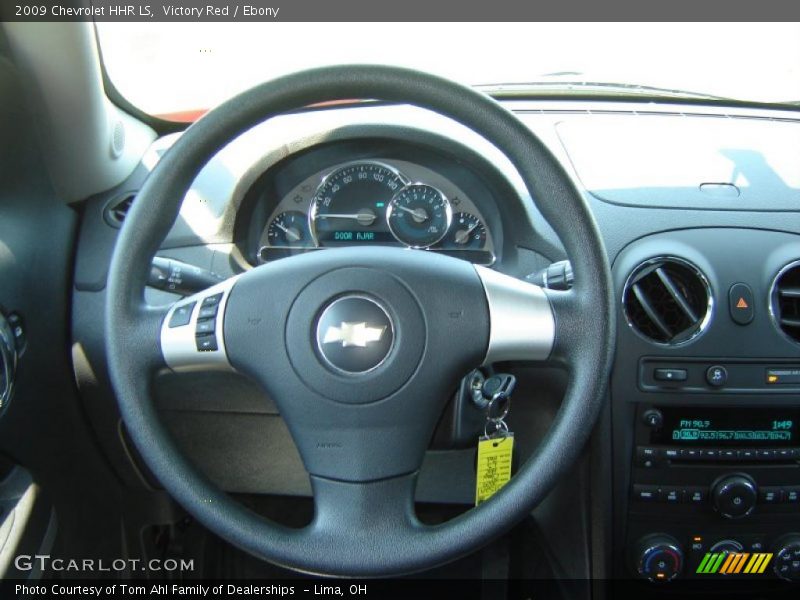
x: 494, y: 465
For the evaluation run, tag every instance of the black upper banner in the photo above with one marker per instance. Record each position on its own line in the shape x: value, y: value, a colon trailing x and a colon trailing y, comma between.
x: 405, y: 10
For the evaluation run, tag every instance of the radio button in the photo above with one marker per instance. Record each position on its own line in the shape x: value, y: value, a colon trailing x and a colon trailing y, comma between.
x: 710, y: 454
x: 653, y: 418
x: 672, y: 495
x: 645, y: 493
x: 770, y: 495
x: 785, y: 453
x: 696, y: 495
x: 747, y: 454
x: 671, y: 453
x: 765, y: 454
x: 728, y: 454
x: 690, y: 454
x: 647, y: 457
x: 792, y: 495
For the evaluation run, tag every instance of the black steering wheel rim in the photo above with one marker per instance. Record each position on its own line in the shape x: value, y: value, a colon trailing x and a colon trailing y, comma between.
x: 583, y: 341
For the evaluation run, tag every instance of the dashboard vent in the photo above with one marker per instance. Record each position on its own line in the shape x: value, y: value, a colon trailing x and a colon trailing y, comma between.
x: 667, y: 300
x: 786, y: 300
x: 116, y: 210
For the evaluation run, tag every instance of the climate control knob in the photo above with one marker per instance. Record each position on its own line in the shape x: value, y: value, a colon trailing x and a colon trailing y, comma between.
x: 787, y: 558
x: 726, y: 546
x: 734, y: 496
x: 658, y: 557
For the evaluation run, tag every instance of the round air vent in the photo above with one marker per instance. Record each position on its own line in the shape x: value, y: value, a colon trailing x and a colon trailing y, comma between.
x: 785, y: 300
x: 116, y: 210
x: 667, y: 300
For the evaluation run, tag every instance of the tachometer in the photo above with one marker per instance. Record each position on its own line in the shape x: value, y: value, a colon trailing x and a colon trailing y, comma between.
x: 419, y: 215
x: 350, y: 204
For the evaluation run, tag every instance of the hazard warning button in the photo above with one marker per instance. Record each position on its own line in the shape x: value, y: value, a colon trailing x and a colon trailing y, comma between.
x: 740, y: 300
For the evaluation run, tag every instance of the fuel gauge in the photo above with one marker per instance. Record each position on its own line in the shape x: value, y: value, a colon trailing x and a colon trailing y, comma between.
x: 289, y: 229
x: 466, y: 232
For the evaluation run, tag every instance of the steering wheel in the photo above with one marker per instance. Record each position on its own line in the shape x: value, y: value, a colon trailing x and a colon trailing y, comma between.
x: 361, y: 349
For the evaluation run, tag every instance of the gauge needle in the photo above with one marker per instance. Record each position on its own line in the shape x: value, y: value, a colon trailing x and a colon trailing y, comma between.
x: 463, y: 234
x: 364, y: 217
x: 418, y: 214
x: 291, y: 233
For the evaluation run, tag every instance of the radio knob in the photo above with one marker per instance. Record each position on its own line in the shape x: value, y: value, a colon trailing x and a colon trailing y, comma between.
x: 658, y: 557
x: 787, y: 558
x: 734, y: 496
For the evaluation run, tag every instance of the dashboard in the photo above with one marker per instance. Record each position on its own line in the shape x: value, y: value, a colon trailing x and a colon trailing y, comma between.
x: 698, y: 210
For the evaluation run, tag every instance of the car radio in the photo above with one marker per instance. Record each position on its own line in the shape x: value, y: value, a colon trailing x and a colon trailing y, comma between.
x: 714, y: 480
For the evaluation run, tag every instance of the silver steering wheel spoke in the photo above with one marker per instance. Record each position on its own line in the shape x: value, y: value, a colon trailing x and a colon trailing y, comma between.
x: 192, y: 332
x: 521, y: 321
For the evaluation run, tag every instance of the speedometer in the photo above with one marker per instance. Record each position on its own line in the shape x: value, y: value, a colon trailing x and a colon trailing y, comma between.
x: 350, y: 204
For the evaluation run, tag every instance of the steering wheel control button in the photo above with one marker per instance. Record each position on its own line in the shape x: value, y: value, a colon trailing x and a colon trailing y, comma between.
x: 206, y: 342
x: 354, y: 334
x: 670, y: 375
x: 182, y: 315
x: 211, y: 300
x: 207, y: 312
x: 198, y: 342
x: 740, y: 302
x: 716, y: 376
x: 206, y: 326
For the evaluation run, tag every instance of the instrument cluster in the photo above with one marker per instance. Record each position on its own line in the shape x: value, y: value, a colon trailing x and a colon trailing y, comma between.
x: 377, y: 202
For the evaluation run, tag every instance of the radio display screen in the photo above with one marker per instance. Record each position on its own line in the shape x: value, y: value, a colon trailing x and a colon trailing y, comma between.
x: 728, y: 427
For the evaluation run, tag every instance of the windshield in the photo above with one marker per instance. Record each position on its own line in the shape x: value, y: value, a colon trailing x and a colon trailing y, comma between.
x: 177, y: 70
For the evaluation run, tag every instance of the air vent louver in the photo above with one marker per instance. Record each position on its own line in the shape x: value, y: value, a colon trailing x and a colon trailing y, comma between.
x: 118, y: 208
x: 786, y: 300
x: 667, y: 300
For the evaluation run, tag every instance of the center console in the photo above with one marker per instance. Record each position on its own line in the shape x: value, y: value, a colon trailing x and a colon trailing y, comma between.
x: 706, y: 408
x: 718, y: 480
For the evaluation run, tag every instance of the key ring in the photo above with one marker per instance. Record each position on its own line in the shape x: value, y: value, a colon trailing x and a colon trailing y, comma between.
x: 496, y: 400
x: 500, y: 429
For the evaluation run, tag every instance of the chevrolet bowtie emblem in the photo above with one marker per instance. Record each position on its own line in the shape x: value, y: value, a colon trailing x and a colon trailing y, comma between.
x: 353, y: 334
